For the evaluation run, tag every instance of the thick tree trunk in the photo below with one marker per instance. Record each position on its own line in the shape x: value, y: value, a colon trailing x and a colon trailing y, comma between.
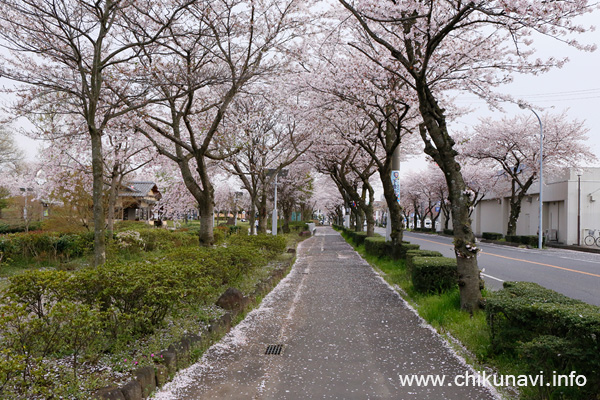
x: 287, y: 218
x: 358, y: 219
x: 97, y: 196
x: 516, y: 198
x: 515, y: 210
x: 395, y: 211
x: 370, y: 220
x: 262, y: 214
x: 206, y: 237
x: 252, y: 217
x: 464, y: 246
x: 434, y: 129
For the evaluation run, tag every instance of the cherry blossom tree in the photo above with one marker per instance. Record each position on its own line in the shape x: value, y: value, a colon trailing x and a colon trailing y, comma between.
x: 512, y: 146
x: 351, y: 168
x: 26, y: 182
x: 326, y: 198
x: 222, y: 48
x: 71, y: 57
x: 346, y: 83
x: 10, y: 154
x: 294, y: 191
x: 454, y: 45
x: 274, y: 135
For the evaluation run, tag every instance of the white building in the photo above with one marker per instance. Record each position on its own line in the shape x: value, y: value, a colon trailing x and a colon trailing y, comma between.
x: 560, y: 208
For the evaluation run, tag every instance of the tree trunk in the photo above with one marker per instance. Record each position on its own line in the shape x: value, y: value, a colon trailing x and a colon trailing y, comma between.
x: 206, y: 237
x: 515, y: 210
x: 252, y: 217
x: 370, y: 220
x: 287, y: 217
x: 112, y: 200
x: 97, y: 194
x: 516, y: 198
x: 395, y: 211
x: 262, y: 214
x: 461, y: 199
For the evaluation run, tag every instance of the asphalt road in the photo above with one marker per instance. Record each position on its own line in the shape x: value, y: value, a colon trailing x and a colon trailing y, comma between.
x: 572, y: 273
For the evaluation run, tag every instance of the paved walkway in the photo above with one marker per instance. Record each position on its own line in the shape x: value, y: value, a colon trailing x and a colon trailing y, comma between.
x: 346, y: 334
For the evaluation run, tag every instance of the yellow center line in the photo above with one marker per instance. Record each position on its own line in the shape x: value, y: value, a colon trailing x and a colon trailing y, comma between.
x: 519, y: 259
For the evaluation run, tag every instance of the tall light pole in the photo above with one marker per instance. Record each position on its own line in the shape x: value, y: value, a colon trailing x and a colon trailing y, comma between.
x: 395, y: 177
x: 579, y: 173
x: 540, y: 233
x: 283, y: 173
x: 236, y: 197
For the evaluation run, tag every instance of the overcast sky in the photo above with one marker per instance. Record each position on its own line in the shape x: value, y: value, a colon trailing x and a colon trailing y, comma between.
x: 575, y: 87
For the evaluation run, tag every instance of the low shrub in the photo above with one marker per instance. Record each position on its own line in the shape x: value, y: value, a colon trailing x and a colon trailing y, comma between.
x: 6, y: 228
x: 399, y: 252
x: 376, y: 246
x: 433, y: 274
x: 449, y: 232
x: 532, y: 322
x: 220, y: 233
x: 529, y: 240
x: 37, y: 290
x: 72, y: 245
x: 491, y: 235
x: 358, y: 237
x: 410, y: 254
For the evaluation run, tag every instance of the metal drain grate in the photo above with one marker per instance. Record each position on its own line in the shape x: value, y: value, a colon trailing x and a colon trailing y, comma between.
x: 274, y: 349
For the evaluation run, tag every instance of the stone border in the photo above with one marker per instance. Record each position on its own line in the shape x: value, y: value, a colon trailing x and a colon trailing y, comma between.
x: 177, y: 356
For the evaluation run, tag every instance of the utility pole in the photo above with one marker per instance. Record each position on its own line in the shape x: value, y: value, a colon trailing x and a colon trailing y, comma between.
x: 395, y: 177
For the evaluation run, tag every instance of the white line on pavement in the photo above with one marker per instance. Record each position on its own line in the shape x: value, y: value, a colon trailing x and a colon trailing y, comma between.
x: 492, y: 277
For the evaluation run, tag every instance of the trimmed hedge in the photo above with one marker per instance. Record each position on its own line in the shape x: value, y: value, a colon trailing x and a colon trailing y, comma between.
x: 491, y: 235
x: 449, y: 232
x: 434, y: 274
x: 400, y: 251
x: 543, y: 326
x: 376, y: 246
x: 529, y: 240
x: 419, y: 253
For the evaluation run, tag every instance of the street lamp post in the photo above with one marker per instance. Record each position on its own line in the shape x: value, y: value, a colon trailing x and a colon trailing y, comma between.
x: 578, y: 208
x: 281, y: 173
x: 237, y: 195
x: 540, y: 233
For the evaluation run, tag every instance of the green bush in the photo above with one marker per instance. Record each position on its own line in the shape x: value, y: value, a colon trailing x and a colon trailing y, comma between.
x: 220, y: 233
x: 410, y: 254
x: 269, y: 245
x: 433, y: 274
x: 376, y: 246
x: 45, y: 245
x: 512, y: 238
x: 491, y: 235
x: 37, y: 289
x: 449, y: 232
x: 400, y: 251
x: 165, y: 239
x: 358, y: 237
x: 72, y: 245
x: 6, y: 228
x: 529, y: 320
x: 529, y: 240
x: 130, y: 226
x: 89, y: 312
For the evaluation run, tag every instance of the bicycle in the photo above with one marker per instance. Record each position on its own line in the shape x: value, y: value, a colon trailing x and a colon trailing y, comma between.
x: 591, y: 238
